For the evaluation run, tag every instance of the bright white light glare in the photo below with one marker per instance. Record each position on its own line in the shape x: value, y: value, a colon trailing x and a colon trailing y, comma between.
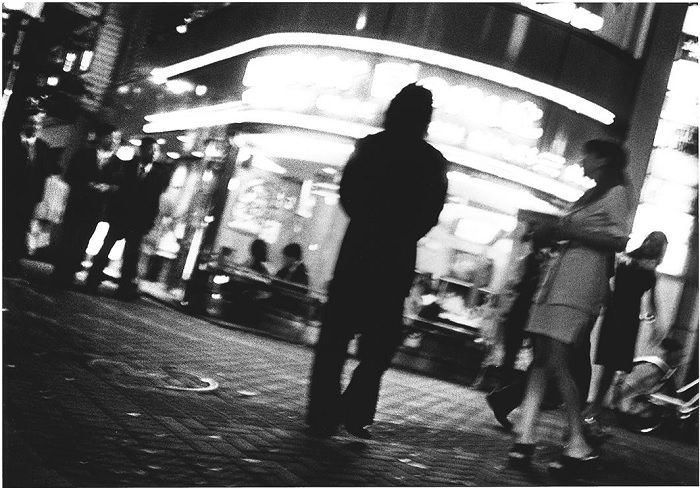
x: 401, y: 51
x: 192, y: 254
x: 261, y: 161
x: 180, y: 120
x: 135, y: 142
x: 313, y: 247
x: 178, y: 87
x: 85, y: 60
x: 200, y: 90
x: 69, y: 62
x: 198, y: 154
x: 123, y: 89
x: 691, y: 25
x: 181, y: 29
x: 179, y: 177
x: 209, y: 219
x: 330, y: 171
x: 52, y: 80
x: 221, y: 279
x: 97, y: 238
x: 161, y: 141
x: 361, y: 20
x: 216, y: 296
x: 212, y: 151
x: 233, y: 184
x: 299, y: 146
x: 208, y: 175
x: 126, y: 153
x: 117, y: 250
x: 173, y: 155
x: 13, y: 5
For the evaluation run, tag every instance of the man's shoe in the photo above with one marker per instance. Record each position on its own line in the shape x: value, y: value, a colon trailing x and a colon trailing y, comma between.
x: 358, y: 431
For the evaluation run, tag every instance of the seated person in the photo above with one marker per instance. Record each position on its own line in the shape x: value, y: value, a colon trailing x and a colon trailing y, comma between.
x: 294, y: 270
x: 258, y: 257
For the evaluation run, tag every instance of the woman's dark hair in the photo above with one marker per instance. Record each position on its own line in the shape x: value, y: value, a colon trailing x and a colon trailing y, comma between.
x: 410, y: 111
x: 258, y: 249
x: 651, y: 252
x: 292, y: 250
x: 614, y: 155
x: 614, y: 171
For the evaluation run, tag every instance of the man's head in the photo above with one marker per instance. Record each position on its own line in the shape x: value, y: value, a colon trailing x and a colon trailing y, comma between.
x: 149, y: 150
x: 291, y: 253
x: 108, y: 138
x: 410, y: 111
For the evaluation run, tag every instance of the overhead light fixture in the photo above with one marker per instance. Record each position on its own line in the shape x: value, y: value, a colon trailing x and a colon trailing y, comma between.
x: 402, y: 51
x: 173, y: 155
x: 69, y: 62
x: 85, y: 60
x: 135, y: 142
x: 223, y: 114
x: 197, y: 154
x: 200, y: 90
x: 52, y: 80
x: 161, y: 141
x: 181, y: 29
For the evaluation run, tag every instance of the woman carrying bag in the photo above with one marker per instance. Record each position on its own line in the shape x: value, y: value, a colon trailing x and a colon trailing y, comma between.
x: 571, y: 294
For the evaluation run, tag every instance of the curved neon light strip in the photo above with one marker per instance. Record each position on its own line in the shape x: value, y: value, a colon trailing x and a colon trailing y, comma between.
x: 394, y: 49
x: 223, y: 114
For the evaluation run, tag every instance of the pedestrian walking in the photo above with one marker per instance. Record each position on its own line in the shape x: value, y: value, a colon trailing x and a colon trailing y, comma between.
x: 635, y: 276
x: 393, y: 189
x: 94, y: 175
x: 131, y: 215
x: 571, y: 294
x: 27, y: 162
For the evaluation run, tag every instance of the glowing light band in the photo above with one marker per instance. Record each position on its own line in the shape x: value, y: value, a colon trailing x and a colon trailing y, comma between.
x: 397, y: 50
x: 221, y: 114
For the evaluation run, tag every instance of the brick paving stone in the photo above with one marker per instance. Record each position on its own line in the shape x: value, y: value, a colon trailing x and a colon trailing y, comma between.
x: 81, y: 433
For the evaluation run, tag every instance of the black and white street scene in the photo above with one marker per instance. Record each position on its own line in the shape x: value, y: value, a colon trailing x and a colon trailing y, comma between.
x: 349, y: 244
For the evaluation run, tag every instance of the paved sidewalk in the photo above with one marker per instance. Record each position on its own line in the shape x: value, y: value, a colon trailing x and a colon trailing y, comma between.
x: 103, y: 393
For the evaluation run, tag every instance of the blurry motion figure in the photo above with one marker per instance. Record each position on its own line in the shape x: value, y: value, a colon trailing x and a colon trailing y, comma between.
x: 26, y: 162
x: 635, y: 275
x: 94, y: 175
x: 571, y: 294
x: 131, y: 215
x: 294, y: 269
x: 258, y: 257
x: 393, y: 189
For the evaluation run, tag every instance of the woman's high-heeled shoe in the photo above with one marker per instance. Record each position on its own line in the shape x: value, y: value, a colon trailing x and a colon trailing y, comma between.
x: 520, y: 455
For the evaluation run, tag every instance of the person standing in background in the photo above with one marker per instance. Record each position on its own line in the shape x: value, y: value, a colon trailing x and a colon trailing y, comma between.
x: 570, y: 296
x: 393, y: 189
x: 635, y: 276
x: 94, y: 175
x: 27, y: 162
x: 131, y: 214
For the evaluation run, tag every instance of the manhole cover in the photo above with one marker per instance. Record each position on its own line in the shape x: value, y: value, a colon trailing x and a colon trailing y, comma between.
x: 167, y: 378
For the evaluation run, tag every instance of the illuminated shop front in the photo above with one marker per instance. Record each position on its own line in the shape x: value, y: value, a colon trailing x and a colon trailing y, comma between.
x: 287, y: 116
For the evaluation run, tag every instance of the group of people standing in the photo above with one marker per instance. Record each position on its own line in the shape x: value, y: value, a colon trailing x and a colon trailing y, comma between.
x: 101, y: 187
x: 393, y: 189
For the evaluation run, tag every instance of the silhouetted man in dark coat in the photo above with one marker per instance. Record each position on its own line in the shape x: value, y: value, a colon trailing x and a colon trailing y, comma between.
x: 27, y: 162
x: 393, y: 189
x: 93, y: 175
x: 130, y: 215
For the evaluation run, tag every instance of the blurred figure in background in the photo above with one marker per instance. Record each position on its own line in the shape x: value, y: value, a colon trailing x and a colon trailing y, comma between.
x: 571, y: 295
x: 94, y: 175
x: 635, y: 276
x: 294, y: 270
x: 393, y: 189
x: 258, y: 257
x: 130, y: 215
x: 26, y: 162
